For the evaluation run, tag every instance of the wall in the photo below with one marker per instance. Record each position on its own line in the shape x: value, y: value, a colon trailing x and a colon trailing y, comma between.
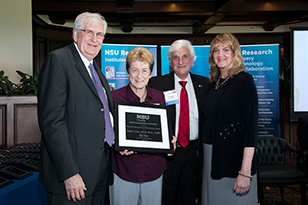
x: 18, y: 120
x: 15, y: 38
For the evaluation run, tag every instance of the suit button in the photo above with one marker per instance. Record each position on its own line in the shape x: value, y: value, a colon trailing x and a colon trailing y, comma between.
x: 102, y: 110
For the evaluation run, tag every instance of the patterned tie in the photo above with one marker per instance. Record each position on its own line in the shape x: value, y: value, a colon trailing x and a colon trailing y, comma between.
x: 183, y: 133
x: 109, y: 133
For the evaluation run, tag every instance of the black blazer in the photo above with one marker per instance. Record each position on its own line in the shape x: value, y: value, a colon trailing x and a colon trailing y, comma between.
x: 302, y: 132
x: 72, y: 122
x: 165, y: 83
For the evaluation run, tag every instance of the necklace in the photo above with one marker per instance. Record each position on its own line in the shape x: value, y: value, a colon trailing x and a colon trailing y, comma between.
x: 219, y: 85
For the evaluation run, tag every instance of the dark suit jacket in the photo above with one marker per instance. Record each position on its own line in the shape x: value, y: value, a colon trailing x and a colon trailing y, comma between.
x: 302, y: 132
x: 166, y: 82
x: 72, y: 122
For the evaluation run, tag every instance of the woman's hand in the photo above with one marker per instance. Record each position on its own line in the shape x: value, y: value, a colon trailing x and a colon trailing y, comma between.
x: 174, y: 145
x: 126, y: 152
x: 242, y: 184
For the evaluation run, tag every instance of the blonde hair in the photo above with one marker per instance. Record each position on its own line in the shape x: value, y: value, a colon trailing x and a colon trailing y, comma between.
x: 232, y: 42
x: 139, y: 54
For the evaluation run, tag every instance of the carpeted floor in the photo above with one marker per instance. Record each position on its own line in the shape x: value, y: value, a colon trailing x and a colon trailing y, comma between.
x: 272, y: 196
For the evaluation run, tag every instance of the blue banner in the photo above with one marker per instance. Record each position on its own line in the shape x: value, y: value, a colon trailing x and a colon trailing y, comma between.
x: 113, y: 63
x: 262, y: 62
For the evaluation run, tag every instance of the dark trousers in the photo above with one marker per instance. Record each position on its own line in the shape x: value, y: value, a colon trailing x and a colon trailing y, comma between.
x: 96, y: 198
x: 180, y: 178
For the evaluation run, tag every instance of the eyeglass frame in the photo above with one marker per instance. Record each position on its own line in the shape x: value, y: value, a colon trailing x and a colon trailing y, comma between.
x: 183, y: 57
x: 92, y: 33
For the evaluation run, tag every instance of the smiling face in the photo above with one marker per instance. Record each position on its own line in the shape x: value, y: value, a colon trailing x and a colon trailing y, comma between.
x: 181, y: 62
x: 223, y: 58
x: 89, y: 46
x: 139, y: 74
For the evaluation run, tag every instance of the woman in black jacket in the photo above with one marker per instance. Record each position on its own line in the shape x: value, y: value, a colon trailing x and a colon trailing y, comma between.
x: 229, y: 120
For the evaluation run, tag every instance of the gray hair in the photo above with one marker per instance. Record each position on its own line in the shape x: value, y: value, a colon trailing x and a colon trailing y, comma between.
x: 178, y: 44
x: 94, y: 19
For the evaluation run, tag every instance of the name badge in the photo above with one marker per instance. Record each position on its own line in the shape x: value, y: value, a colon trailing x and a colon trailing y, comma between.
x: 171, y: 97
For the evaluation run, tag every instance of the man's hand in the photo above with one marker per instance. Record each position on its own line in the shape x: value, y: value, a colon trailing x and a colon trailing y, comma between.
x: 75, y: 188
x: 174, y: 145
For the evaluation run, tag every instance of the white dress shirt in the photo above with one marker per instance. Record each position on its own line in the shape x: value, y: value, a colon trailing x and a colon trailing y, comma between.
x: 193, y: 107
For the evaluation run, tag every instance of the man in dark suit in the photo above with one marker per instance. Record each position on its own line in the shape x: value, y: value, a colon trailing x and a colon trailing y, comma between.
x: 76, y: 163
x: 302, y: 132
x: 180, y: 178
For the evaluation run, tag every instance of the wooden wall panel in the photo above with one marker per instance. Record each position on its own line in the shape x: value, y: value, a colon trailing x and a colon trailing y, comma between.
x: 2, y: 125
x: 26, y: 129
x: 18, y: 120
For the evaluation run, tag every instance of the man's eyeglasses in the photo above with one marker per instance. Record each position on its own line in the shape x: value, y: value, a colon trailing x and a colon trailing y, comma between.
x: 90, y: 33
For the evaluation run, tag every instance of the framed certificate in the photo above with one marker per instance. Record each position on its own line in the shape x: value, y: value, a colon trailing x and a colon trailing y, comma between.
x: 142, y: 128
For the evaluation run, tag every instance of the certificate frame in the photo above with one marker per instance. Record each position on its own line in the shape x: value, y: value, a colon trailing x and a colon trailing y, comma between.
x: 142, y: 134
